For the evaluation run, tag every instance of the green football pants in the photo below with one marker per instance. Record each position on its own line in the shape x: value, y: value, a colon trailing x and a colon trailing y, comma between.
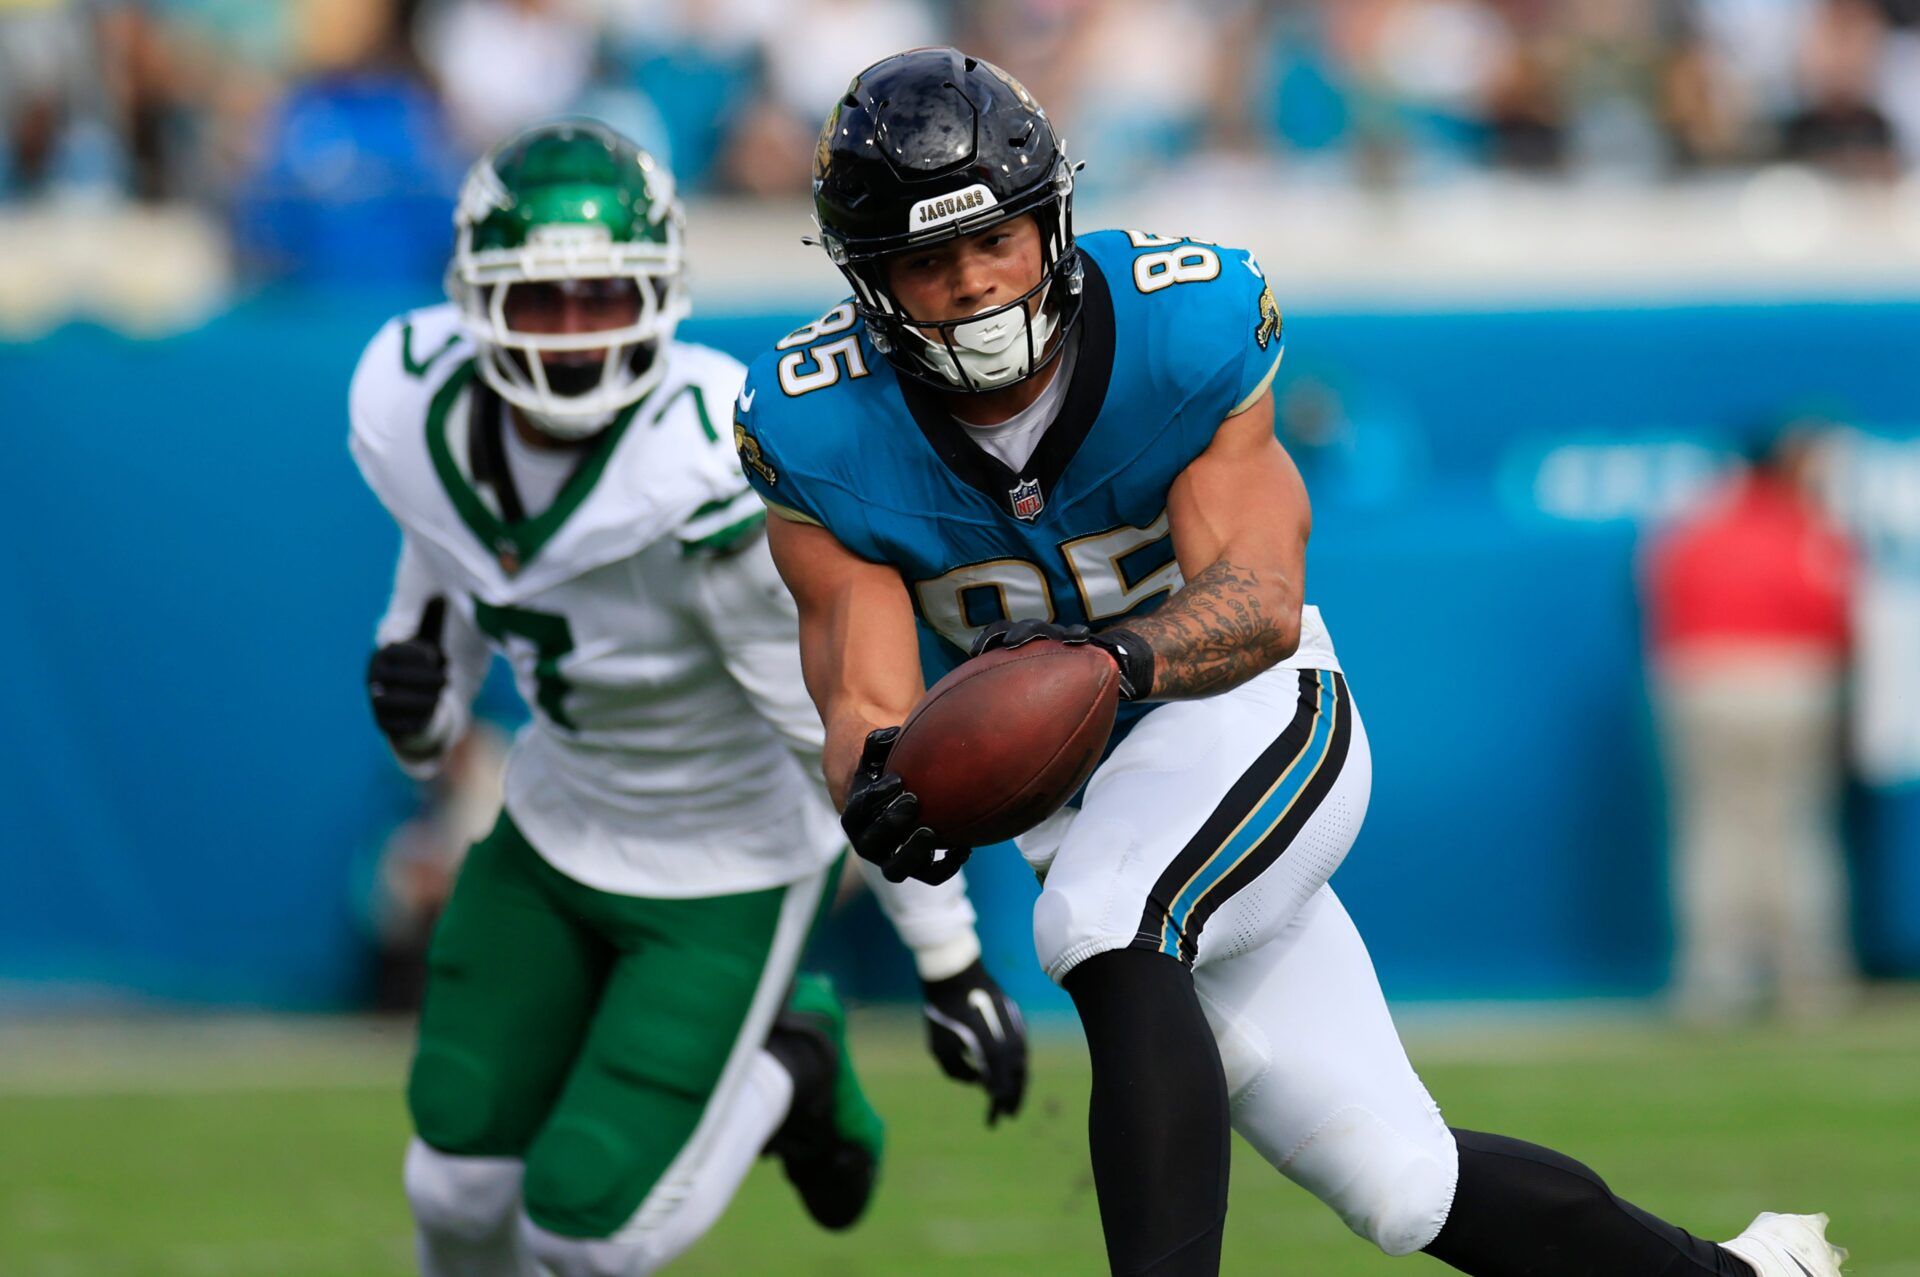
x: 585, y: 1032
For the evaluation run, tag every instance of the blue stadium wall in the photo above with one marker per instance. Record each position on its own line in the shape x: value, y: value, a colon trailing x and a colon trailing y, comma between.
x: 191, y: 785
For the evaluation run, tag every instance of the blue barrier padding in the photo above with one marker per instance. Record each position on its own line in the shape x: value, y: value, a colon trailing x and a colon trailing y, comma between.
x: 187, y: 600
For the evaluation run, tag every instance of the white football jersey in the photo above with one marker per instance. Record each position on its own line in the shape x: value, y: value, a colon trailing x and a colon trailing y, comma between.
x: 672, y: 739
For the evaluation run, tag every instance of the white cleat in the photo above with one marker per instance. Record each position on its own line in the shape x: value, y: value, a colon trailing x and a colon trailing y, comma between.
x: 1788, y: 1246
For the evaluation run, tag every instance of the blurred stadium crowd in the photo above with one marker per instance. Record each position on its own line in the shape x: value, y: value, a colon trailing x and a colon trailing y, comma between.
x: 347, y: 122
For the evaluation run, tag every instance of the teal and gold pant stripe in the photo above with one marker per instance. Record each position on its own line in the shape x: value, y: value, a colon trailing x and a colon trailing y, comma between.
x: 1260, y: 816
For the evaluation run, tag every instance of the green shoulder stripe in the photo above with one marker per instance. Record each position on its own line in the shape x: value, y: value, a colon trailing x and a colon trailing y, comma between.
x: 720, y: 513
x: 416, y: 367
x: 717, y: 505
x: 699, y: 409
x: 729, y: 538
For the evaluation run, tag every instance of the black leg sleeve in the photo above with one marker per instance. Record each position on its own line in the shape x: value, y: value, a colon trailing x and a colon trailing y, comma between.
x: 1157, y: 1119
x: 1526, y: 1211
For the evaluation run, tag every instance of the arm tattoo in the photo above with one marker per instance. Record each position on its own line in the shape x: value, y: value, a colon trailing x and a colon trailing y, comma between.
x: 1222, y: 628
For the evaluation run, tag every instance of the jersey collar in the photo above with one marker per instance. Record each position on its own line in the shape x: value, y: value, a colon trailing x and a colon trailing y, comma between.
x: 1013, y: 491
x: 514, y: 541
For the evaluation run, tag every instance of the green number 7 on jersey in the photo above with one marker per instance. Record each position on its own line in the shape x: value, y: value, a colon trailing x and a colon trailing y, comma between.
x: 552, y: 638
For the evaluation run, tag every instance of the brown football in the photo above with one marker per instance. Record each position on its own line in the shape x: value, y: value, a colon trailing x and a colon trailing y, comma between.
x: 997, y: 746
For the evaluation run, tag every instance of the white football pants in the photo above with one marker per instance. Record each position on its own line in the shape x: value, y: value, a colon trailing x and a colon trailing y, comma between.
x: 1209, y: 834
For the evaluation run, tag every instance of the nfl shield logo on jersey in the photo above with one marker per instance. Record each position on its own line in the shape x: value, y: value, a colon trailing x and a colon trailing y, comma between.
x: 1027, y: 501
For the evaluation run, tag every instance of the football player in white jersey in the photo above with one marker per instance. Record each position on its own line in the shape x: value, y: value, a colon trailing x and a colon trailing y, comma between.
x: 612, y: 1029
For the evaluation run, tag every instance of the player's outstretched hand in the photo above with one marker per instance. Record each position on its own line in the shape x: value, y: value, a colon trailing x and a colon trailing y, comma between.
x: 974, y: 1029
x: 1130, y: 653
x: 882, y: 820
x: 405, y: 679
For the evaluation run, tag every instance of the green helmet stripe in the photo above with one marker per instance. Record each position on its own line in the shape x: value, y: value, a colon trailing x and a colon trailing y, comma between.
x: 573, y: 173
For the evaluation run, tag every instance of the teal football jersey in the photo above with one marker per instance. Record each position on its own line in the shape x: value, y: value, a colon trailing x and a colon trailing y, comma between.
x: 1175, y: 336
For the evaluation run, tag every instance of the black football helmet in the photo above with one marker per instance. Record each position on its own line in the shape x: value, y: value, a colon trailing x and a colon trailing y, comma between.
x: 932, y: 145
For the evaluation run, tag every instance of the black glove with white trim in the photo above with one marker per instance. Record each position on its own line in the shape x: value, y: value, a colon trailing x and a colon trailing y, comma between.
x: 882, y: 820
x: 1129, y: 651
x: 975, y: 1031
x: 405, y: 679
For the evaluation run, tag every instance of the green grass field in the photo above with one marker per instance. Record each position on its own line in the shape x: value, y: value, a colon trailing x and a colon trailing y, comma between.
x: 271, y: 1149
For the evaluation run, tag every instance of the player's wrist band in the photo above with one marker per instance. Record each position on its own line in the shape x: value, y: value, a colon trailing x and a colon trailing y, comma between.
x: 1135, y: 659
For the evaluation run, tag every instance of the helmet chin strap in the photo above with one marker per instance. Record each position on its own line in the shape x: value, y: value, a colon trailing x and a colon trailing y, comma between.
x: 992, y: 351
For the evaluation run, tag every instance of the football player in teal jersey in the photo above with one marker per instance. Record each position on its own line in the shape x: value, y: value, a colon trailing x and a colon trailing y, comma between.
x: 1010, y: 432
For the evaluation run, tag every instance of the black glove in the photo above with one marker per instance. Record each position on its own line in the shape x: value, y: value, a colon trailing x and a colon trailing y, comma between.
x: 1129, y: 651
x: 404, y: 680
x: 974, y: 1029
x: 882, y: 820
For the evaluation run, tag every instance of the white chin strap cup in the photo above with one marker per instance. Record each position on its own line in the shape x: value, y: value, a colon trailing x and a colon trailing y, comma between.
x: 568, y: 426
x: 991, y: 352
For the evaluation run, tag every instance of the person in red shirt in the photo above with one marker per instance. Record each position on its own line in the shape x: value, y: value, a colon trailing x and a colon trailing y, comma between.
x: 1748, y: 609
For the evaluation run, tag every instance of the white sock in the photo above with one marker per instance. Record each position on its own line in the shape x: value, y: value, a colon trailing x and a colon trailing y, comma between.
x: 466, y: 1215
x: 501, y: 1255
